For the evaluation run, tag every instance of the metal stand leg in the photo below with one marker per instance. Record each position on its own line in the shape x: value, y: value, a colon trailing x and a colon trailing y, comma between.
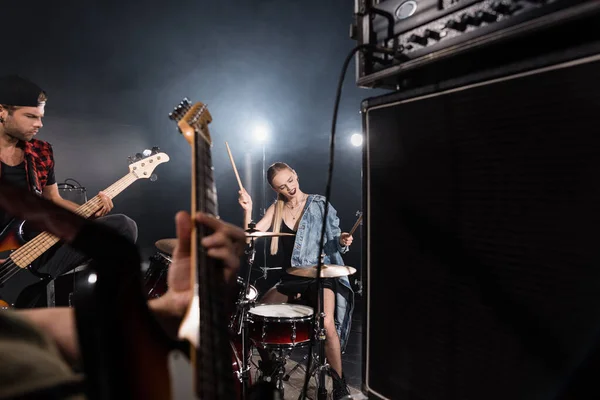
x: 321, y: 336
x: 243, y: 305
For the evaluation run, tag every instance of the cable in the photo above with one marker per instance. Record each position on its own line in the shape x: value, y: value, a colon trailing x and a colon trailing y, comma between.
x: 73, y: 180
x: 327, y: 196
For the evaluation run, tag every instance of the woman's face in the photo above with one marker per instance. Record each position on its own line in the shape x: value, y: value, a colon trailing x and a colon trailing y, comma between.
x: 286, y: 183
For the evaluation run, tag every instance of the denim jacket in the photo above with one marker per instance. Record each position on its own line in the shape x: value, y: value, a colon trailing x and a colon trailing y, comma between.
x: 306, y: 249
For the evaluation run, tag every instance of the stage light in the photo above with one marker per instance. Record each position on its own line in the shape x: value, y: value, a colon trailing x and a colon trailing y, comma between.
x: 356, y: 139
x: 261, y: 132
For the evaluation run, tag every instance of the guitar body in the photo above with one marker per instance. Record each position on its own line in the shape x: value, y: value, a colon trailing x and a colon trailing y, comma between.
x: 19, y: 287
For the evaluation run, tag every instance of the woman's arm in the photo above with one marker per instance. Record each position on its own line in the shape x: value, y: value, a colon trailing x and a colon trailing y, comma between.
x: 246, y: 202
x: 333, y: 233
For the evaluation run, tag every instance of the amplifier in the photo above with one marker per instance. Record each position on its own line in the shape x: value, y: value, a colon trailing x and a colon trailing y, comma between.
x: 73, y: 191
x: 492, y: 276
x: 424, y: 41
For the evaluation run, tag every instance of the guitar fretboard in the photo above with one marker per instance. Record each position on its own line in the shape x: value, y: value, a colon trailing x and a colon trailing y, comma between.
x: 214, y: 374
x: 32, y: 250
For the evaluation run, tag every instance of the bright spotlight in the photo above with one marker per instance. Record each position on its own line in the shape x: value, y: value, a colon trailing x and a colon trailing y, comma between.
x: 356, y: 139
x: 261, y: 132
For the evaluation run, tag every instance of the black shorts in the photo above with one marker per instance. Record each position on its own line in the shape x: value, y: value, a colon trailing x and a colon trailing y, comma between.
x: 291, y: 286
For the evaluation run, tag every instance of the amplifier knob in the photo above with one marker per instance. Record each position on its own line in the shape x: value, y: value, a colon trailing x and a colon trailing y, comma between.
x: 431, y: 34
x: 500, y: 7
x: 470, y: 20
x: 503, y: 8
x: 456, y: 25
x: 417, y: 39
x: 486, y: 16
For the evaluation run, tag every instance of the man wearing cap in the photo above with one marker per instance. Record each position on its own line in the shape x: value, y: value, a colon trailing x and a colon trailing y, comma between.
x: 29, y: 163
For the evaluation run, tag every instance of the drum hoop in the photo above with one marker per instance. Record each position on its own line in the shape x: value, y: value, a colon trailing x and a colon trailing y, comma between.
x: 163, y: 257
x: 257, y: 317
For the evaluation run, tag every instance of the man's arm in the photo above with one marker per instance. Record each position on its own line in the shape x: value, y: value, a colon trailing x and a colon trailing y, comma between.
x: 51, y: 193
x: 58, y: 323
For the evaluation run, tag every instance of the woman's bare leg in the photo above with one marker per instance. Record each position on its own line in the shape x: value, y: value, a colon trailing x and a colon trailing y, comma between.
x: 273, y: 296
x: 333, y: 350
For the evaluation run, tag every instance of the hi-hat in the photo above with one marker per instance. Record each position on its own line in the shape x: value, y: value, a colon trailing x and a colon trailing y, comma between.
x: 258, y: 234
x: 327, y: 271
x: 166, y: 245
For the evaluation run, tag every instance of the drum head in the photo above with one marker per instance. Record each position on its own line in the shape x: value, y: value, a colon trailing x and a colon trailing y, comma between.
x: 282, y: 310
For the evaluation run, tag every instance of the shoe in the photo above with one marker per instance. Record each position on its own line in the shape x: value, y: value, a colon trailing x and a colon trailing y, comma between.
x: 340, y: 389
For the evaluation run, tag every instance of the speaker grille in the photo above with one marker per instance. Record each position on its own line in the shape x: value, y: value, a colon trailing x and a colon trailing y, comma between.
x: 483, y: 219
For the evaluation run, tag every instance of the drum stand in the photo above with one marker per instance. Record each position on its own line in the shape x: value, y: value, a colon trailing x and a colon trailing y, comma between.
x: 322, y: 366
x: 243, y: 304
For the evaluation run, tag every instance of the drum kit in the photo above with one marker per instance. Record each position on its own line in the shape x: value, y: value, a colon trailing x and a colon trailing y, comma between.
x: 275, y: 330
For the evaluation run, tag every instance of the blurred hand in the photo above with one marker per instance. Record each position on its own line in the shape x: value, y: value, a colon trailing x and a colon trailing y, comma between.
x: 226, y: 243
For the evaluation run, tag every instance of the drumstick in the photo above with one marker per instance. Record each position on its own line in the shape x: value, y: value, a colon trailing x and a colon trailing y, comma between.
x: 356, y: 224
x: 234, y: 168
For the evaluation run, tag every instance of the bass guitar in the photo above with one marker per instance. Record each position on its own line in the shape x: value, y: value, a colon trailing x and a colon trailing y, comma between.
x: 20, y: 281
x: 205, y: 326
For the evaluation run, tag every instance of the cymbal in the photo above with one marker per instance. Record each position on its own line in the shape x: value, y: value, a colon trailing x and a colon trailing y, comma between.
x: 258, y: 234
x: 327, y: 271
x: 166, y: 245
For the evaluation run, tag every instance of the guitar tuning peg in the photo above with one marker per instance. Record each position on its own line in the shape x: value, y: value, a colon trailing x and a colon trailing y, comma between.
x: 138, y: 156
x: 153, y: 178
x: 147, y: 153
x: 155, y: 150
x: 130, y: 160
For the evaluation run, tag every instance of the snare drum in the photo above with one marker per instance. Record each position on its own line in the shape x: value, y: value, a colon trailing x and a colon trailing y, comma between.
x: 280, y: 325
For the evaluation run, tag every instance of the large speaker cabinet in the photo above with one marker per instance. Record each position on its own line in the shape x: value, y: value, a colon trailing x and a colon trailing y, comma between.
x: 482, y: 227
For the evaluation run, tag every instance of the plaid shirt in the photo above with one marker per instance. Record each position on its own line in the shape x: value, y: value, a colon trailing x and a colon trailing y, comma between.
x: 39, y: 164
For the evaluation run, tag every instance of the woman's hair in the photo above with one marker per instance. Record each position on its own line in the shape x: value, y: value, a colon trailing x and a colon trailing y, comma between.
x: 279, y: 203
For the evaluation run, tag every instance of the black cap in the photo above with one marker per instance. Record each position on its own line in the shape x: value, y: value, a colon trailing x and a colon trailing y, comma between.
x: 18, y: 91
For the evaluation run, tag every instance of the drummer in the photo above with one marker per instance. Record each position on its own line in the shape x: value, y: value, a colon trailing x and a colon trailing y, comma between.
x: 298, y: 218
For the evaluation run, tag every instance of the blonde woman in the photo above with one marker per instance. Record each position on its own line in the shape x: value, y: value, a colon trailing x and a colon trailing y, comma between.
x: 302, y: 214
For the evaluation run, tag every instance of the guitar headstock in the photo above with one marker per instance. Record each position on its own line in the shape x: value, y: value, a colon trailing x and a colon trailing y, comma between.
x: 192, y: 118
x: 143, y: 164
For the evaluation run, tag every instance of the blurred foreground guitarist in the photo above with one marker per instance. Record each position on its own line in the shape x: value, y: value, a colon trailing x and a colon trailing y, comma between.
x: 121, y: 341
x: 205, y: 326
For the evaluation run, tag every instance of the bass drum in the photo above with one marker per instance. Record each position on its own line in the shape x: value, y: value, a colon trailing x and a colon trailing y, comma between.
x: 155, y: 278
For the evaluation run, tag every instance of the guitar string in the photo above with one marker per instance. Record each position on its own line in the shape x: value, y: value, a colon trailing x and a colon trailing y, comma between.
x: 45, y: 240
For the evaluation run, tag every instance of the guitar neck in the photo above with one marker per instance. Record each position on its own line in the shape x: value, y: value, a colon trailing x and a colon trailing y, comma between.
x: 213, y: 373
x: 95, y: 203
x: 32, y: 250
